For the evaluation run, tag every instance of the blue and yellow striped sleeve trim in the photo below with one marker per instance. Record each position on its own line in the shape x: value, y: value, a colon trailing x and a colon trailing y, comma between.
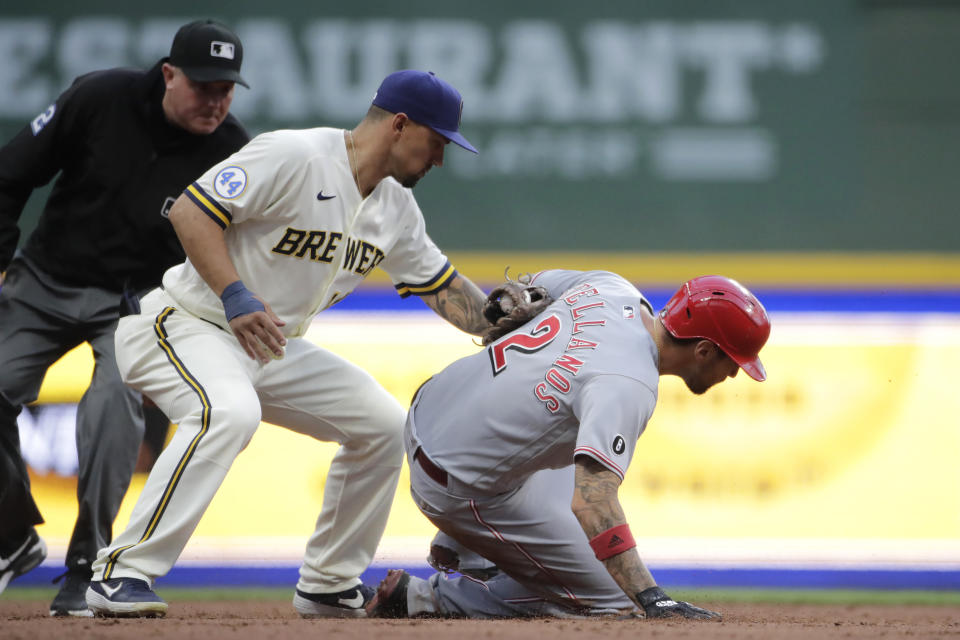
x: 439, y: 282
x: 209, y: 206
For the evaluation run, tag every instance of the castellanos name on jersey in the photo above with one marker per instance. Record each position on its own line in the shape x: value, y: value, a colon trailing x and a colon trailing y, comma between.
x: 299, y: 233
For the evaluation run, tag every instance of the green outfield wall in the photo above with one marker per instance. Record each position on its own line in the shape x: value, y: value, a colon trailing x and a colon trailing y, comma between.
x: 824, y: 125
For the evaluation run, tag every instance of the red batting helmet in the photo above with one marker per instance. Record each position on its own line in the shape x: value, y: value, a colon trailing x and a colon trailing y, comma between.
x: 722, y: 311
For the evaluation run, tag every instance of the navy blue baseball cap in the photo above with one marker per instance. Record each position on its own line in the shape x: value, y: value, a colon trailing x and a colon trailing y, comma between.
x: 425, y: 99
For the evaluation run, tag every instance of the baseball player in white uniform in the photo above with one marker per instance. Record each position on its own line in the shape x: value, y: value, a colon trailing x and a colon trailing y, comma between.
x: 277, y: 232
x: 502, y: 443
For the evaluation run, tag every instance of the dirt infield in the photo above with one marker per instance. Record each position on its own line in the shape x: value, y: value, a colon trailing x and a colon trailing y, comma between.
x: 255, y: 620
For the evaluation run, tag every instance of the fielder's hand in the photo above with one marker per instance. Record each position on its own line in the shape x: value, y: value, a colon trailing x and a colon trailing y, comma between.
x: 253, y: 322
x: 259, y: 335
x: 657, y: 604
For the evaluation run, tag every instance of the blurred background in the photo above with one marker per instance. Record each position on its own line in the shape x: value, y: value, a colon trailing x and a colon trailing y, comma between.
x: 808, y: 149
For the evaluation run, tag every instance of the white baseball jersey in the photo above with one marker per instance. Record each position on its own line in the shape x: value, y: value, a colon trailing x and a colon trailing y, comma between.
x: 588, y: 371
x: 301, y: 238
x: 299, y: 233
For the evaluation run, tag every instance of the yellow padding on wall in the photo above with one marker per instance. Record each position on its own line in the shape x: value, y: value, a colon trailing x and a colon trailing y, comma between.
x: 854, y: 435
x: 669, y: 269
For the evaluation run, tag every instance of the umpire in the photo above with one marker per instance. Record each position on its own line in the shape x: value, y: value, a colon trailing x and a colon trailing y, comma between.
x: 125, y: 143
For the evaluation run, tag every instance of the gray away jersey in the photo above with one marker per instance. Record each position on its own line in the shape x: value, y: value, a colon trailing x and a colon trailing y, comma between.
x: 579, y: 379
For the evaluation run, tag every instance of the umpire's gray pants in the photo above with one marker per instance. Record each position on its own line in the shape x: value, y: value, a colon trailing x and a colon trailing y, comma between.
x: 40, y: 320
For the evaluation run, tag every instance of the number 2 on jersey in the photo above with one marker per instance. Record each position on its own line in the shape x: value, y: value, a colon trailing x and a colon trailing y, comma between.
x: 542, y: 335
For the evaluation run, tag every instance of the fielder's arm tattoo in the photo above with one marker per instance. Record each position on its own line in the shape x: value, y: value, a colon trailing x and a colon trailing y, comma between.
x: 460, y: 304
x: 597, y: 507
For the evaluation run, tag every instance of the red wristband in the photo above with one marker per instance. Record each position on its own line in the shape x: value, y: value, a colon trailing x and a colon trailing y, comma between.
x: 613, y: 541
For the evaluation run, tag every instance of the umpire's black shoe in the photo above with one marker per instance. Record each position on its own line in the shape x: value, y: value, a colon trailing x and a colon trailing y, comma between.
x: 25, y: 557
x: 391, y: 598
x: 71, y: 600
x: 343, y: 604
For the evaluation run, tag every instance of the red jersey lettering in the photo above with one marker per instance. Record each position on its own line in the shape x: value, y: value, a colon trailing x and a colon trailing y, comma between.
x: 542, y: 335
x: 579, y: 311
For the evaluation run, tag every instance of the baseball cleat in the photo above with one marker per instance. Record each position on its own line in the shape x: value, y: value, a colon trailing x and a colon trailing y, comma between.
x: 24, y: 558
x: 71, y: 599
x: 391, y: 598
x: 344, y: 604
x: 124, y: 598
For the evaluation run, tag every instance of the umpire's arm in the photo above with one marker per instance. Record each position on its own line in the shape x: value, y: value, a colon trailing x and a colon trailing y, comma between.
x: 596, y: 506
x: 461, y: 304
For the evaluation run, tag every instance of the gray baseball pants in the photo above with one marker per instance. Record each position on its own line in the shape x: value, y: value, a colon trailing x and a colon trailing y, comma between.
x: 40, y: 320
x: 531, y: 534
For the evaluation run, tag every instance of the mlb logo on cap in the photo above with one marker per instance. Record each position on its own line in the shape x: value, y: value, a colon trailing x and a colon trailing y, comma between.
x: 221, y: 49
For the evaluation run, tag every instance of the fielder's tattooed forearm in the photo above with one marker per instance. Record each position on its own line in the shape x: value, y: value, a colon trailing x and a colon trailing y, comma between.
x: 460, y: 304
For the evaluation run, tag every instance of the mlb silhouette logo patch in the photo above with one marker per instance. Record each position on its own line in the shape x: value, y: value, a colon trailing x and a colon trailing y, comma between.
x: 629, y: 313
x: 167, y: 205
x: 222, y: 49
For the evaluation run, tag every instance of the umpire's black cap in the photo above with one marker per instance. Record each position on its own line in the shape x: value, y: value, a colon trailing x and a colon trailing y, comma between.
x: 207, y: 51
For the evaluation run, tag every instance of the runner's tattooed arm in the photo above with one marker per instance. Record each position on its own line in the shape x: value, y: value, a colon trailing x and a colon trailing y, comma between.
x: 596, y: 506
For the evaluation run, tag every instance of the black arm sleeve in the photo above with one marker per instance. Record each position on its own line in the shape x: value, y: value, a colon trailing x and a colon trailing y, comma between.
x: 28, y: 161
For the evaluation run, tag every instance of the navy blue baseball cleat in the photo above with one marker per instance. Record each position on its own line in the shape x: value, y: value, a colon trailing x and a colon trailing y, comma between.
x: 124, y: 598
x: 349, y: 603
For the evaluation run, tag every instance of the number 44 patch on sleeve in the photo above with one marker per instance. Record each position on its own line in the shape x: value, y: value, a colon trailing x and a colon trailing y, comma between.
x: 230, y: 182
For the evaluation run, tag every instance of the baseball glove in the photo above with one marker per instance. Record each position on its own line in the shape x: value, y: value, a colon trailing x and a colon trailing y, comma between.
x: 511, y: 305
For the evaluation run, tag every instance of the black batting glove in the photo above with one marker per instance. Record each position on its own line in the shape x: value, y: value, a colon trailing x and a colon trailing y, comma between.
x: 657, y: 604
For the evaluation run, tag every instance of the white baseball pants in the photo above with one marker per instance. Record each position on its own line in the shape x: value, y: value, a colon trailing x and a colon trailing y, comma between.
x: 199, y: 375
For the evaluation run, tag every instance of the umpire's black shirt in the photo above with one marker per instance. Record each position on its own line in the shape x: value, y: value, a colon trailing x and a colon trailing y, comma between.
x: 121, y: 166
